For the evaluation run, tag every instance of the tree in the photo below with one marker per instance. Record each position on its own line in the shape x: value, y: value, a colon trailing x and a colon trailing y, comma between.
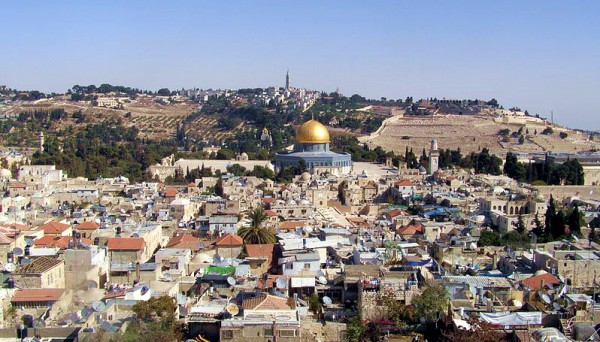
x: 520, y: 227
x: 538, y: 228
x: 263, y: 172
x: 224, y: 154
x: 236, y: 169
x: 513, y: 168
x: 255, y: 232
x: 493, y: 103
x: 155, y: 321
x: 550, y: 213
x: 219, y: 191
x: 548, y: 131
x: 163, y: 92
x: 574, y: 220
x: 479, y: 332
x: 489, y: 238
x: 431, y: 302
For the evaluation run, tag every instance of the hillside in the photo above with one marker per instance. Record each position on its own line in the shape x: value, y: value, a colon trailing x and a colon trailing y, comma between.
x: 404, y: 126
x: 472, y: 133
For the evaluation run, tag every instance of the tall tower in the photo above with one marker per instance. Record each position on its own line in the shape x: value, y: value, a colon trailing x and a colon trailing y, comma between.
x: 434, y: 157
x: 41, y: 141
x: 287, y: 80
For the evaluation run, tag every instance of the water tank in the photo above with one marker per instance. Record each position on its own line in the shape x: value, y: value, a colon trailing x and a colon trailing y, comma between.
x: 96, y: 241
x: 10, y: 283
x: 27, y: 251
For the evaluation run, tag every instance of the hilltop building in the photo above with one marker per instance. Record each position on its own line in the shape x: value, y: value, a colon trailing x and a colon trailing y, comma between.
x: 312, y: 147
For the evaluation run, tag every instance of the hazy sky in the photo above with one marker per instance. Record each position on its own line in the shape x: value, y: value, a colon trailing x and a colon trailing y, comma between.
x: 538, y: 55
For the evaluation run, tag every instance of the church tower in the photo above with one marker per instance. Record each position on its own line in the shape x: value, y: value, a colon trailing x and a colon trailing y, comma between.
x: 41, y: 141
x: 287, y: 80
x: 434, y: 157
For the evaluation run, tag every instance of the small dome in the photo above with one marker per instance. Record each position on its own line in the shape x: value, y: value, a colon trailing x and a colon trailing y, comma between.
x: 305, y: 176
x: 270, y: 166
x: 291, y: 202
x: 244, y: 154
x: 422, y: 169
x: 304, y: 201
x: 5, y: 173
x: 540, y: 272
x: 312, y: 131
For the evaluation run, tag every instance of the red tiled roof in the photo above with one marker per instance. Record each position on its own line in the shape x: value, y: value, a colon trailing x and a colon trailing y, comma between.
x: 17, y: 185
x: 170, y: 192
x: 535, y: 282
x: 19, y: 226
x: 61, y: 242
x: 291, y: 224
x: 265, y: 250
x: 38, y: 295
x: 88, y: 225
x: 268, y: 200
x: 54, y: 227
x: 270, y: 213
x: 266, y: 302
x: 5, y: 240
x: 410, y: 229
x: 397, y: 212
x: 184, y: 241
x: 128, y: 244
x: 404, y: 182
x: 229, y: 240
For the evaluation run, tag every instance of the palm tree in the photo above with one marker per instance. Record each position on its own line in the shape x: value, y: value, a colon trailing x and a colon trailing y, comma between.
x: 256, y: 233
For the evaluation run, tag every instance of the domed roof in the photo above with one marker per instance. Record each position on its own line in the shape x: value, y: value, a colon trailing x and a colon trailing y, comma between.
x: 5, y: 173
x: 312, y: 131
x: 305, y: 176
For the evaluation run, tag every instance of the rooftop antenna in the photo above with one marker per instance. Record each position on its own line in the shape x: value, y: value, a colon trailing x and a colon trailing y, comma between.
x: 552, y: 116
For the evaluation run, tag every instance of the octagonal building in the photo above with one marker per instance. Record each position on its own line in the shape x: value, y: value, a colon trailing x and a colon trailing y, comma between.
x: 312, y: 146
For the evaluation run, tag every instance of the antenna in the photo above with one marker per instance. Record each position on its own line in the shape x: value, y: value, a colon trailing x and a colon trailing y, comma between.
x: 552, y: 116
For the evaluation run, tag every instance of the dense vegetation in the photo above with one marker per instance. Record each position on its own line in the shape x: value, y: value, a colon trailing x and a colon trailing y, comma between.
x: 548, y: 172
x: 107, y: 149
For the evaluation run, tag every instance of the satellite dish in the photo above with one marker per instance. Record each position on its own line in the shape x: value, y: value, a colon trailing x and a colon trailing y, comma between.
x: 99, y: 306
x: 322, y: 280
x: 556, y: 306
x: 327, y: 301
x: 10, y: 267
x: 231, y: 281
x: 232, y: 308
x: 29, y: 242
x: 17, y: 251
x: 92, y: 284
x: 201, y: 245
x: 546, y: 299
x: 281, y: 283
x: 25, y: 261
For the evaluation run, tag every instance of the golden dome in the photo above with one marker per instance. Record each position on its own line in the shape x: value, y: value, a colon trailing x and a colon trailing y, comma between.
x: 312, y: 131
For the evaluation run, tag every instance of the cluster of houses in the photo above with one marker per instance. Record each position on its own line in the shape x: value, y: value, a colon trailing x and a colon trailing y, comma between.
x: 76, y: 255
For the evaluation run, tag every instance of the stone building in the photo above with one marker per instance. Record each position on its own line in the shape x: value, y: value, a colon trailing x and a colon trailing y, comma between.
x: 44, y: 272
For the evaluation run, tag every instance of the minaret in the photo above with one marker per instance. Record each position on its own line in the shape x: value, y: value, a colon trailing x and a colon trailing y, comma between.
x: 434, y: 157
x: 287, y: 80
x: 41, y: 141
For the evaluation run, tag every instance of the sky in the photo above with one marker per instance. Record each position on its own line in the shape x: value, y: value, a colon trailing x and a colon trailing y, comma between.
x: 541, y: 56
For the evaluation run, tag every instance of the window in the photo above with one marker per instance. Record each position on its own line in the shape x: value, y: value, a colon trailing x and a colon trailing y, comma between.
x: 268, y: 332
x: 287, y: 333
x: 227, y: 334
x: 307, y: 266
